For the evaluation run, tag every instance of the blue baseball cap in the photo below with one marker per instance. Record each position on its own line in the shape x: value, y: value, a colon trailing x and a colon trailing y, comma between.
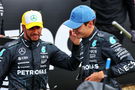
x: 80, y: 15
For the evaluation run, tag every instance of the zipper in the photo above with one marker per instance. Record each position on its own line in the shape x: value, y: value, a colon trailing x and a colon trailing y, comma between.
x: 33, y: 82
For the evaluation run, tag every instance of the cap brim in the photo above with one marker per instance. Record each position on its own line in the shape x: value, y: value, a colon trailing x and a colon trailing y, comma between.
x: 28, y: 26
x: 72, y: 24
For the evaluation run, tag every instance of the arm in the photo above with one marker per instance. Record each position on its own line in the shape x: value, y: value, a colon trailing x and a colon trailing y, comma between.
x: 4, y: 64
x: 131, y: 12
x: 62, y: 60
x: 133, y: 36
x: 122, y: 61
x: 1, y: 36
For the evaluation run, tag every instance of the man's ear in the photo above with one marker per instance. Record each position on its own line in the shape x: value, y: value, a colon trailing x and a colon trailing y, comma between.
x: 23, y: 28
x: 90, y: 24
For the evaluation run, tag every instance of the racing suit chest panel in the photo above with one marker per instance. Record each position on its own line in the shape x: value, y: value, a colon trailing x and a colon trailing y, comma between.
x: 94, y: 56
x: 93, y: 60
x: 41, y: 59
x: 25, y: 58
x: 26, y: 63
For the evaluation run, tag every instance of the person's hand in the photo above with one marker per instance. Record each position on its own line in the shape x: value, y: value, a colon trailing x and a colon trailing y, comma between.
x: 74, y: 38
x: 133, y: 36
x: 96, y: 76
x: 1, y: 36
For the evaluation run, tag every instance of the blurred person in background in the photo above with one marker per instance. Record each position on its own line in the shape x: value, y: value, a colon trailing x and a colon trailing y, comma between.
x: 108, y: 11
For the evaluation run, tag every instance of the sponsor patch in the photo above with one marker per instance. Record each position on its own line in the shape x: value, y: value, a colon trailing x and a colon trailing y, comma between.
x: 22, y: 51
x: 94, y: 43
x: 112, y: 40
x: 43, y: 49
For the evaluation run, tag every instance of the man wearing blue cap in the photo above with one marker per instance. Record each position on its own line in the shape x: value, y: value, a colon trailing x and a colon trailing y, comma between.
x: 96, y: 47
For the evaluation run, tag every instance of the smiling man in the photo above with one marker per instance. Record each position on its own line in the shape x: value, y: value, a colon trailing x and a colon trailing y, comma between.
x: 32, y: 25
x: 96, y: 47
x: 26, y: 60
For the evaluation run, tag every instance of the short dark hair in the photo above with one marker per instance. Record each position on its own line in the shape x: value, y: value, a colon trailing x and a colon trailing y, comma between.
x: 94, y: 21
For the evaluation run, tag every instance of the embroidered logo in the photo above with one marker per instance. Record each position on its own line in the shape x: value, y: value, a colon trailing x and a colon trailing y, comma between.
x: 94, y: 43
x: 112, y: 40
x: 33, y: 18
x: 43, y: 49
x: 22, y: 51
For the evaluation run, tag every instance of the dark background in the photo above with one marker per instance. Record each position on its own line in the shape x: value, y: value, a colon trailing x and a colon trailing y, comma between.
x: 55, y: 12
